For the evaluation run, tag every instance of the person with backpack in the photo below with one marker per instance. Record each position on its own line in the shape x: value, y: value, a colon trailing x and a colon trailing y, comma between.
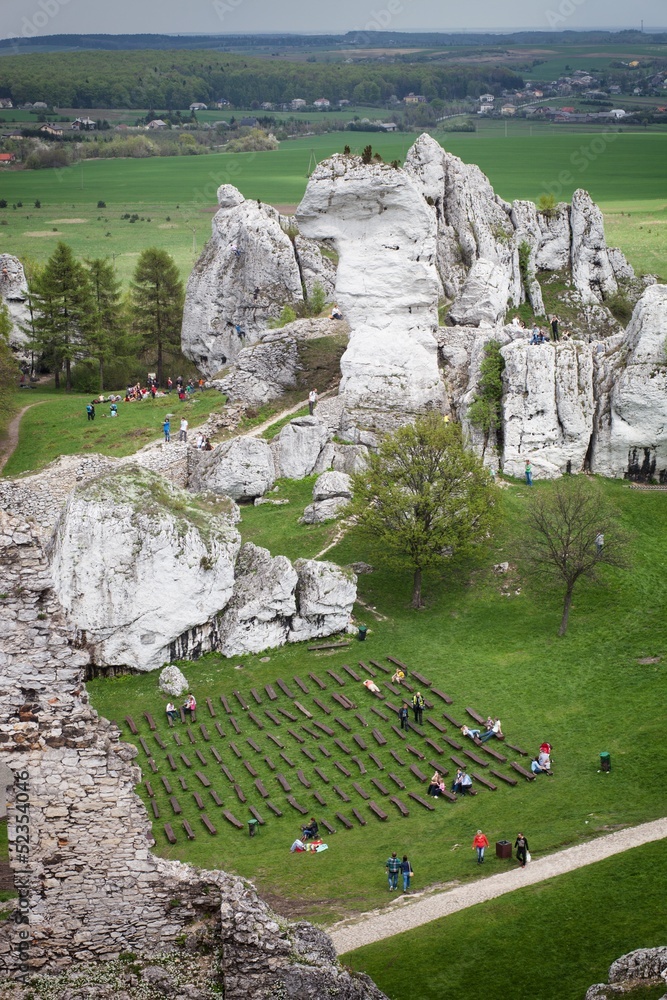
x: 403, y: 716
x: 418, y: 707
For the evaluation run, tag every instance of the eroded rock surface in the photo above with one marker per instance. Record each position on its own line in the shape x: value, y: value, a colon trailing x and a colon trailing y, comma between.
x: 14, y: 294
x: 242, y: 469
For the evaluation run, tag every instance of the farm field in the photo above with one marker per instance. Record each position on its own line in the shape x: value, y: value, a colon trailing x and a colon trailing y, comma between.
x: 576, y: 924
x: 623, y: 172
x: 584, y: 693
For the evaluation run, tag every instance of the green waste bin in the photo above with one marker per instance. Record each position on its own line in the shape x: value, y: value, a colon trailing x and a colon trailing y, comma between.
x: 605, y: 761
x: 363, y: 629
x: 253, y: 827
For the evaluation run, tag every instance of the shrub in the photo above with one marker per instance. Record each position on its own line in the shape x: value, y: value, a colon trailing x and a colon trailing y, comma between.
x: 3, y: 203
x: 367, y: 154
x: 620, y: 307
x: 38, y: 203
x: 547, y: 205
x: 101, y: 204
x: 317, y: 300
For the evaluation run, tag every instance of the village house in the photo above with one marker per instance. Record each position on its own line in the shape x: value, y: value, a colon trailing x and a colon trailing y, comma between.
x: 486, y: 109
x: 486, y: 98
x: 508, y: 110
x: 389, y: 126
x: 83, y: 125
x: 414, y: 99
x: 198, y: 106
x: 297, y: 104
x: 157, y: 123
x: 49, y: 128
x: 321, y: 103
x: 6, y: 159
x: 5, y: 102
x: 249, y: 122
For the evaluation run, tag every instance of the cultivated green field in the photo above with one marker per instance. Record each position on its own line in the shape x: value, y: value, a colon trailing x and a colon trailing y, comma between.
x: 624, y: 173
x: 550, y: 941
x: 498, y: 652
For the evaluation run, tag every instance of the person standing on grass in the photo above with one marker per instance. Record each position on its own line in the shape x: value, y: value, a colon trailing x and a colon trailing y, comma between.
x: 406, y: 872
x: 403, y: 716
x: 393, y: 866
x: 166, y: 427
x: 479, y: 844
x: 90, y: 410
x: 183, y: 433
x: 418, y: 707
x: 554, y: 328
x: 522, y: 849
x: 599, y: 543
x: 312, y: 401
x: 528, y: 473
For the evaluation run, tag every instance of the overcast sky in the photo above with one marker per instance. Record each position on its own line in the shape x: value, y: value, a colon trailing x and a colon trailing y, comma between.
x: 47, y: 17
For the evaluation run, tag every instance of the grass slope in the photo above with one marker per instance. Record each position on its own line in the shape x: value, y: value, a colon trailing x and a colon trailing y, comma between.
x: 584, y: 693
x: 623, y: 172
x: 549, y: 941
x: 59, y: 426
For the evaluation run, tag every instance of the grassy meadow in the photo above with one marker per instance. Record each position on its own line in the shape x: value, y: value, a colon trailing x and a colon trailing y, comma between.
x: 550, y: 941
x: 491, y: 643
x: 176, y: 196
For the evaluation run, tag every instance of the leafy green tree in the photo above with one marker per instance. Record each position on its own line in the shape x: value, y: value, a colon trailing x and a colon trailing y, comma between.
x: 157, y: 303
x: 485, y: 411
x: 105, y: 334
x: 573, y: 531
x: 60, y: 304
x: 424, y: 497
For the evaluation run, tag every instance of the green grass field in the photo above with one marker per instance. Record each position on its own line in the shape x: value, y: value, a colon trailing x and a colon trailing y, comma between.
x: 584, y: 693
x: 59, y: 426
x: 624, y: 173
x: 550, y: 941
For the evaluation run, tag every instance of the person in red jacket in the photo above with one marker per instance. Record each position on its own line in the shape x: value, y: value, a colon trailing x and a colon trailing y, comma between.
x: 479, y: 844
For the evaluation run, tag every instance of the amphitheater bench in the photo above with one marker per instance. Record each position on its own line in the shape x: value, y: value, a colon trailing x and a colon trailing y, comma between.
x: 341, y: 794
x: 524, y: 753
x: 343, y: 724
x: 322, y: 775
x: 324, y: 728
x: 170, y: 722
x: 322, y: 706
x: 421, y: 801
x: 402, y: 808
x: 379, y: 738
x: 343, y: 700
x: 258, y: 722
x: 342, y: 746
x: 454, y: 722
x: 237, y: 728
x: 436, y: 724
x: 283, y: 782
x: 306, y: 752
x: 216, y: 755
x: 274, y: 809
x: 221, y: 731
x: 256, y: 695
x: 261, y: 789
x: 235, y: 750
x: 311, y: 732
x: 392, y: 687
x: 167, y: 785
x: 240, y: 795
x: 437, y: 766
x: 284, y: 688
x: 441, y: 694
x: 380, y: 787
x: 304, y: 711
x: 269, y: 763
x: 397, y: 757
x: 204, y: 780
x: 360, y: 764
x: 477, y: 760
x: 344, y: 820
x: 288, y: 760
x: 528, y: 775
x: 419, y: 775
x: 198, y: 799
x: 156, y: 811
x: 360, y: 791
x: 414, y: 728
x: 452, y: 743
x: 231, y: 818
x: 251, y: 743
x: 397, y: 781
x: 149, y: 788
x: 130, y: 723
x: 303, y: 779
x: 434, y: 746
x: 399, y: 732
x: 274, y: 739
x: 300, y: 684
x: 183, y: 783
x: 295, y: 805
x: 476, y: 716
x: 327, y: 826
x: 177, y: 740
x: 380, y: 666
x: 421, y: 679
x: 151, y: 722
x: 169, y: 833
x: 493, y: 753
x: 376, y: 760
x: 369, y: 670
x: 175, y: 805
x: 336, y: 677
x: 204, y: 731
x: 484, y: 781
x: 274, y: 718
x: 250, y: 769
x: 378, y: 711
x: 201, y: 757
x: 398, y: 663
x: 413, y: 750
x: 225, y: 704
x: 316, y: 795
x: 270, y: 692
x: 257, y: 815
x: 317, y: 680
x: 191, y: 735
x: 342, y: 768
x: 379, y: 812
x: 228, y: 774
x: 296, y: 736
x: 357, y: 815
x: 361, y: 719
x: 209, y: 705
x: 189, y: 832
x: 328, y: 645
x: 172, y: 763
x: 207, y: 823
x: 351, y: 673
x: 361, y: 743
x: 324, y: 750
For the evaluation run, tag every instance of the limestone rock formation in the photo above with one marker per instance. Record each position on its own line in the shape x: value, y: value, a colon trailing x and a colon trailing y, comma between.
x: 245, y: 275
x: 262, y: 371
x: 641, y: 968
x: 325, y: 596
x: 591, y: 268
x: 14, y: 295
x: 315, y: 267
x: 332, y: 493
x: 173, y: 681
x: 137, y: 563
x: 631, y: 424
x: 242, y: 469
x: 548, y: 407
x: 297, y: 447
x: 384, y: 233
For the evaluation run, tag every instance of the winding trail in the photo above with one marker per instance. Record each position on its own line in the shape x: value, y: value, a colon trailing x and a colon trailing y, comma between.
x: 11, y: 439
x: 409, y: 913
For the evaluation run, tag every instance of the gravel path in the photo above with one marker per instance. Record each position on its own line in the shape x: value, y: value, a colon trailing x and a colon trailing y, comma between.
x: 382, y: 924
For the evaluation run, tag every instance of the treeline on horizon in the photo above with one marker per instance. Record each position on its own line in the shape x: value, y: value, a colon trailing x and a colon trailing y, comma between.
x: 362, y: 38
x: 174, y: 80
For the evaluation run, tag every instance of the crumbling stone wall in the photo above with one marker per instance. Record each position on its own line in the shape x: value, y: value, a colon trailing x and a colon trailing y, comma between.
x: 89, y: 886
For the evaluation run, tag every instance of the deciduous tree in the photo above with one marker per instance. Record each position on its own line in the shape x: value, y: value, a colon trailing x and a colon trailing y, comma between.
x: 425, y: 497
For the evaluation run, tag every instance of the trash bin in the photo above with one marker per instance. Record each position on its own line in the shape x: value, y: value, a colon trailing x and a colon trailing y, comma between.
x: 253, y: 827
x: 503, y: 849
x: 363, y: 629
x: 605, y: 761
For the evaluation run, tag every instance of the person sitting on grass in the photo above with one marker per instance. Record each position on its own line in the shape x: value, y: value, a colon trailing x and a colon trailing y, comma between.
x: 541, y: 764
x: 434, y: 787
x: 172, y: 711
x: 310, y: 832
x: 397, y: 676
x: 493, y: 728
x: 472, y: 733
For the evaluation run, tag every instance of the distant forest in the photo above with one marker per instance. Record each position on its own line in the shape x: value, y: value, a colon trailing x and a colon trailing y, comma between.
x: 175, y: 79
x: 369, y: 39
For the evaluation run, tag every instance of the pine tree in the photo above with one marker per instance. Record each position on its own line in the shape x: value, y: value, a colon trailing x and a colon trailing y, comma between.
x: 157, y: 303
x: 105, y: 335
x: 61, y: 307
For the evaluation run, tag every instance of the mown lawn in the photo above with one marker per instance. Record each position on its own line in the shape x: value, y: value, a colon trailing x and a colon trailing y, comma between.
x: 584, y: 693
x: 547, y: 942
x: 59, y: 425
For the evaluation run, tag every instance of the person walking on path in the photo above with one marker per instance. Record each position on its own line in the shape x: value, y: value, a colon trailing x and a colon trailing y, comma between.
x: 529, y: 473
x: 166, y: 427
x: 183, y: 433
x: 522, y: 849
x: 479, y: 844
x: 403, y: 716
x: 393, y: 866
x: 406, y: 871
x: 312, y: 401
x: 418, y: 708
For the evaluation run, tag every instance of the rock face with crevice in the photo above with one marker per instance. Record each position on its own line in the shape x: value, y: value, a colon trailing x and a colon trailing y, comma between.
x: 14, y: 295
x: 243, y: 468
x: 628, y: 974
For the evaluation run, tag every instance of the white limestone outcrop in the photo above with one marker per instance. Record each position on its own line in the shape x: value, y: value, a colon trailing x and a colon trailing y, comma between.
x: 242, y: 469
x: 325, y: 597
x: 173, y: 681
x: 386, y: 285
x: 592, y: 271
x: 262, y: 371
x: 14, y: 295
x: 136, y: 563
x: 631, y: 430
x: 332, y: 493
x: 297, y: 447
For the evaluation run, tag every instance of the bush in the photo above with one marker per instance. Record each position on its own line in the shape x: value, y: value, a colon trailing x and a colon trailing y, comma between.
x: 3, y: 203
x: 547, y: 205
x: 317, y: 300
x: 101, y: 204
x: 38, y: 203
x: 620, y: 307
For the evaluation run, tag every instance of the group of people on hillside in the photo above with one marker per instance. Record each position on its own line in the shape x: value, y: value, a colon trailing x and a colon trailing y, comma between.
x: 480, y: 844
x: 539, y: 336
x: 541, y: 764
x: 493, y: 728
x: 189, y: 708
